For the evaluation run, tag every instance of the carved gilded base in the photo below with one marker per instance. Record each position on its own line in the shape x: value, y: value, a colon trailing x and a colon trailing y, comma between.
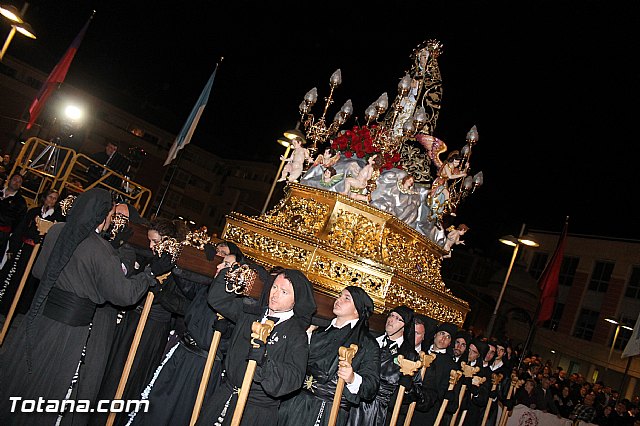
x: 338, y: 241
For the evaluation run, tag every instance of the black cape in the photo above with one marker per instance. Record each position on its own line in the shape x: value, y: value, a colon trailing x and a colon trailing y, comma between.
x: 93, y: 272
x: 283, y: 371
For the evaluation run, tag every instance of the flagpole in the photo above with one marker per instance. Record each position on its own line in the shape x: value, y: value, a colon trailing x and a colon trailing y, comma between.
x: 184, y: 137
x: 532, y: 330
x: 166, y: 189
x: 534, y: 321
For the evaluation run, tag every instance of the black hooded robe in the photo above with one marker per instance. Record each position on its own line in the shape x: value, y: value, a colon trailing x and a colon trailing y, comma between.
x: 174, y: 387
x: 281, y: 374
x: 94, y: 272
x: 312, y: 404
x: 59, y: 350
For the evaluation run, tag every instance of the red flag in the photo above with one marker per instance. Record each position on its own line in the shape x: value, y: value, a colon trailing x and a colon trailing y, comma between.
x: 548, y: 282
x: 56, y: 77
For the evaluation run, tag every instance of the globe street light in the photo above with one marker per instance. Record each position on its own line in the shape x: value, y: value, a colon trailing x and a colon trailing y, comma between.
x: 17, y: 25
x: 509, y: 240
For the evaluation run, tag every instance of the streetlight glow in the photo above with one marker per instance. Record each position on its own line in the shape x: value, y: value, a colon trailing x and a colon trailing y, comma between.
x: 514, y: 242
x: 11, y: 13
x: 73, y: 112
x: 26, y: 30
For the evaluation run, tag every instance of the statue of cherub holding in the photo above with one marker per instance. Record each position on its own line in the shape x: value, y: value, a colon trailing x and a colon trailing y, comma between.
x: 453, y: 238
x: 356, y: 186
x: 295, y: 163
x: 328, y: 158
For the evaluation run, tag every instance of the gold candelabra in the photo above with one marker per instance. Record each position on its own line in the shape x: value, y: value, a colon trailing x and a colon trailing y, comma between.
x: 395, y: 127
x: 461, y: 188
x: 317, y: 130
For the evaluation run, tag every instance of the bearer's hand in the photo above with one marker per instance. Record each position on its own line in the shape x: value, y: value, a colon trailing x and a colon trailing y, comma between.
x: 345, y: 372
x: 259, y: 354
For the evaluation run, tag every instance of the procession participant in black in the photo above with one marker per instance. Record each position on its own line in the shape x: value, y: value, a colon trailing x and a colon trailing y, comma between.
x: 477, y: 396
x: 425, y: 329
x: 24, y: 238
x: 66, y: 334
x: 312, y: 404
x: 460, y: 345
x: 436, y: 380
x: 174, y: 385
x: 289, y: 302
x: 12, y: 208
x: 398, y: 339
x: 165, y: 237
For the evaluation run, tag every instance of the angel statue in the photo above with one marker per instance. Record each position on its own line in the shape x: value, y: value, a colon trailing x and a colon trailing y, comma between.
x: 434, y: 146
x: 327, y: 159
x: 453, y: 238
x: 295, y: 163
x: 439, y: 195
x: 358, y: 184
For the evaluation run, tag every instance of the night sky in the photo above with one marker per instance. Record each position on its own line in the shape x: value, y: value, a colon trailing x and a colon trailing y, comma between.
x: 549, y: 84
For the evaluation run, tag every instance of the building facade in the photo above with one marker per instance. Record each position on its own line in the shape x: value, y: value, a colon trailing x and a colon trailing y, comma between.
x: 599, y: 279
x: 199, y: 185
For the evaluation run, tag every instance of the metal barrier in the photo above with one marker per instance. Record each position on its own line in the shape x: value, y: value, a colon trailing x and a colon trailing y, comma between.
x: 45, y: 165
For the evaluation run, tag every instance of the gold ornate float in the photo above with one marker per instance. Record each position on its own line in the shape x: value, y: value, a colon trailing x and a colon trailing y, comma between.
x: 338, y: 241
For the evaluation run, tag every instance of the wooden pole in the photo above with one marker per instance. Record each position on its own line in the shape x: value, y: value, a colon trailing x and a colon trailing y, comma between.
x: 132, y: 354
x: 477, y: 381
x: 467, y: 371
x: 407, y: 368
x: 454, y: 376
x: 495, y: 379
x: 345, y: 356
x: 43, y: 227
x: 514, y: 385
x: 16, y: 298
x: 213, y: 348
x: 258, y: 331
x: 426, y: 362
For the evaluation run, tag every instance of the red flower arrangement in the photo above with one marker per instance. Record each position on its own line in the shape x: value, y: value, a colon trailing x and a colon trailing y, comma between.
x: 358, y: 142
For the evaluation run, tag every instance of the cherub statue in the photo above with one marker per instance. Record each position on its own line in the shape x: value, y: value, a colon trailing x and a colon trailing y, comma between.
x: 439, y: 194
x: 330, y: 177
x: 355, y: 186
x: 327, y: 159
x: 453, y: 238
x: 295, y: 163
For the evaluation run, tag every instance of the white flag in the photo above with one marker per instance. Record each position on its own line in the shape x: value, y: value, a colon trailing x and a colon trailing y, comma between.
x: 633, y: 346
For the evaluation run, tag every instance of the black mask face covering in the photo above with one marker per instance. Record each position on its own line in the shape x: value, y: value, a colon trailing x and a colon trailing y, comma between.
x: 119, y: 222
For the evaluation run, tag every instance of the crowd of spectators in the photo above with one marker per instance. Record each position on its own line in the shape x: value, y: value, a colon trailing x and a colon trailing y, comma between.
x: 571, y: 396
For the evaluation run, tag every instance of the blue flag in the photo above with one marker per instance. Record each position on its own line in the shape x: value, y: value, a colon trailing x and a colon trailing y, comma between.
x: 184, y: 137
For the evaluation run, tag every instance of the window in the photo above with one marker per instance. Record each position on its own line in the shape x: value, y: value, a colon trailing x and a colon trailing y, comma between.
x: 553, y: 323
x: 568, y: 270
x: 623, y: 335
x: 538, y: 263
x: 600, y: 276
x: 633, y: 287
x: 586, y: 324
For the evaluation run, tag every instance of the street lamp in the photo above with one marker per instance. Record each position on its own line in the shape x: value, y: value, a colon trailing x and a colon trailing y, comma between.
x: 615, y: 335
x: 286, y: 142
x: 514, y: 242
x: 17, y: 24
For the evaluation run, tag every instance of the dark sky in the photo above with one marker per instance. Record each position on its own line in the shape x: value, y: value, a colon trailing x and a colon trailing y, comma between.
x: 549, y: 84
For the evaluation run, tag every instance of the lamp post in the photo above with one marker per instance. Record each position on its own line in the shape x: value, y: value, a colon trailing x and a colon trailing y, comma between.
x: 509, y: 240
x: 17, y: 25
x: 618, y: 325
x: 286, y: 142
